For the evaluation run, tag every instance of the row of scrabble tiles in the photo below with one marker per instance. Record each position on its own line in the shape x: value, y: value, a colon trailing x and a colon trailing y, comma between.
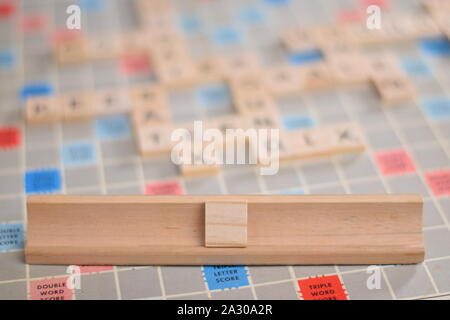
x: 253, y: 90
x: 394, y: 29
x: 313, y: 143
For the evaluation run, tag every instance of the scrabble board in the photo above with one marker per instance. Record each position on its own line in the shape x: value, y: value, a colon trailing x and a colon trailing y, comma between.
x: 407, y: 145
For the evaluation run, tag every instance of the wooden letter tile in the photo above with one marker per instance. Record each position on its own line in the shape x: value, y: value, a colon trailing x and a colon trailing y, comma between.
x: 154, y: 140
x: 395, y: 89
x: 226, y: 224
x: 42, y: 110
x: 77, y: 106
x: 283, y: 80
x: 111, y: 101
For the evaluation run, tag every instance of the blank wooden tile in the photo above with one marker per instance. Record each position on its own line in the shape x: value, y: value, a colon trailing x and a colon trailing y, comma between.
x: 42, y: 110
x: 226, y: 224
x: 196, y: 170
x: 77, y: 106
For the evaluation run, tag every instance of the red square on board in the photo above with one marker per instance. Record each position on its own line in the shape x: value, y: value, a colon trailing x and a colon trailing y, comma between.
x: 322, y: 288
x: 164, y: 187
x: 9, y: 137
x: 50, y: 289
x: 393, y: 162
x: 439, y: 182
x: 135, y: 63
x: 7, y: 9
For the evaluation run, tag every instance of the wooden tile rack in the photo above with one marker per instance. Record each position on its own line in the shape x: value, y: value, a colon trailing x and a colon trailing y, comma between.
x: 170, y: 230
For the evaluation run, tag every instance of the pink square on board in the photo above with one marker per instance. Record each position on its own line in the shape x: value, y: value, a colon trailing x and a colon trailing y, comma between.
x: 439, y: 182
x: 164, y: 187
x: 394, y: 162
x: 50, y: 289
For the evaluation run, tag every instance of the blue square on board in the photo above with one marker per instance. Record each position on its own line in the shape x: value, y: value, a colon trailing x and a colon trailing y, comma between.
x: 78, y: 154
x: 225, y: 277
x: 112, y: 127
x: 43, y: 181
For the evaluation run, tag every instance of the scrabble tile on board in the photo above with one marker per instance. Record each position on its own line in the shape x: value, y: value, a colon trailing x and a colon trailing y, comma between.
x: 239, y: 64
x: 248, y: 103
x: 298, y: 39
x: 177, y: 73
x: 283, y: 80
x: 42, y: 110
x: 71, y: 51
x: 415, y: 26
x: 209, y: 70
x: 348, y: 69
x: 104, y: 47
x: 149, y: 96
x: 248, y: 83
x: 150, y: 116
x: 168, y: 52
x: 317, y: 76
x: 77, y: 106
x: 154, y: 140
x: 111, y: 101
x: 262, y: 120
x: 381, y: 65
x: 309, y: 143
x: 345, y: 137
x: 395, y: 89
x: 201, y: 165
x: 325, y: 34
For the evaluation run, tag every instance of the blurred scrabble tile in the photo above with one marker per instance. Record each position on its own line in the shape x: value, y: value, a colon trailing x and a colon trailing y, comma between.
x: 346, y: 137
x: 150, y: 96
x: 201, y: 164
x: 148, y: 116
x: 154, y: 140
x: 209, y: 70
x: 298, y: 39
x: 309, y: 143
x: 42, y: 110
x: 239, y: 64
x: 395, y: 88
x: 77, y: 106
x: 339, y: 48
x: 105, y: 47
x: 248, y: 83
x: 317, y: 76
x: 283, y: 80
x: 133, y: 41
x: 177, y: 73
x: 73, y: 50
x: 331, y: 33
x: 262, y: 120
x: 196, y: 170
x: 248, y: 103
x: 348, y: 69
x: 167, y: 51
x: 381, y: 65
x: 415, y: 26
x: 111, y: 101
